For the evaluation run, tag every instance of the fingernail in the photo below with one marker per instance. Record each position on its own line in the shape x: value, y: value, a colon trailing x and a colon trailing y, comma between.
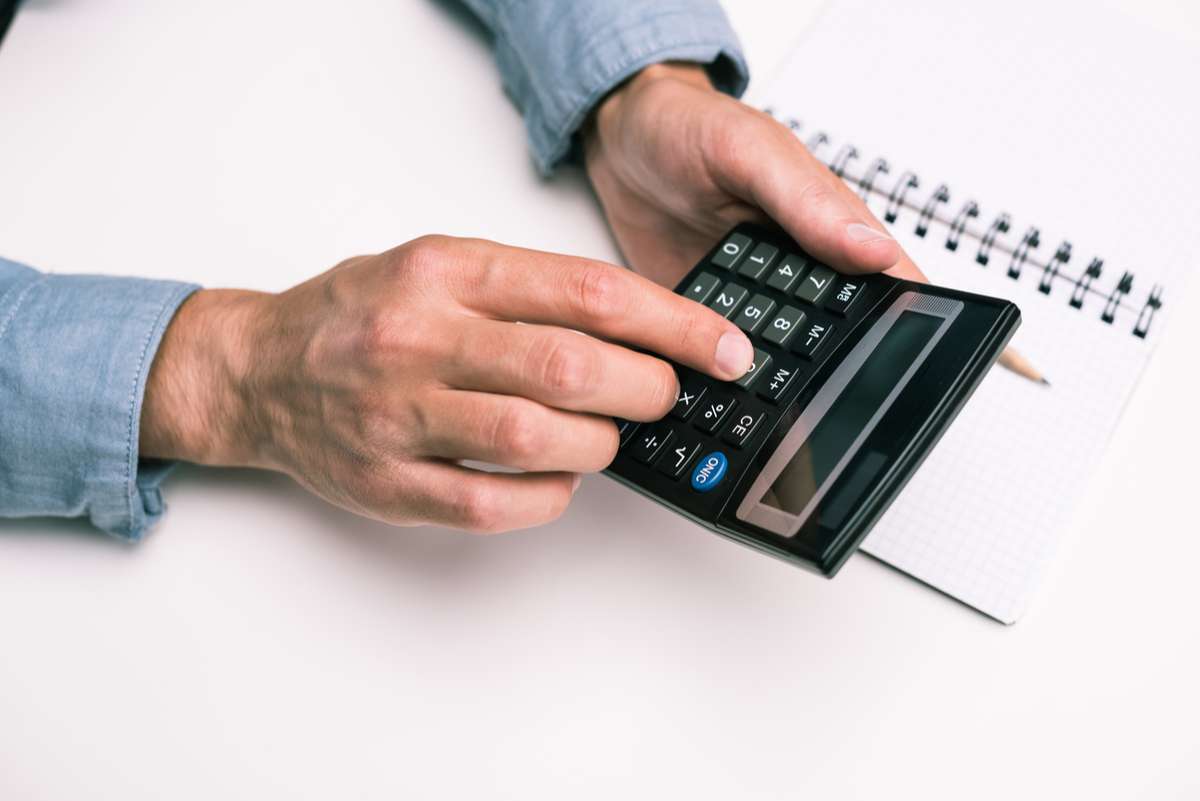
x: 734, y: 354
x: 575, y: 482
x: 865, y: 233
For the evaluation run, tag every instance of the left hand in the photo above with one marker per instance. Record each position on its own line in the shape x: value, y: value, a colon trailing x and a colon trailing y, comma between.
x: 676, y: 164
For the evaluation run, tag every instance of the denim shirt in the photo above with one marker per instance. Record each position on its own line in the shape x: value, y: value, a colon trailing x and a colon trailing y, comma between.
x: 75, y: 350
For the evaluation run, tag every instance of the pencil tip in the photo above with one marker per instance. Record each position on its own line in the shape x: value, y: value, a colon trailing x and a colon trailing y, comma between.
x: 1045, y: 383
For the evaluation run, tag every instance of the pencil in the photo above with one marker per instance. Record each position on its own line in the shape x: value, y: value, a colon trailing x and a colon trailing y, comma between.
x: 1011, y: 360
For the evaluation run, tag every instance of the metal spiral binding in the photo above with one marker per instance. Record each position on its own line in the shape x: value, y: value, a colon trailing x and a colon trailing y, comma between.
x: 1153, y: 304
x: 878, y: 167
x: 1000, y: 225
x: 908, y: 180
x: 1032, y: 238
x: 1084, y: 284
x: 1114, y: 298
x: 1050, y: 271
x: 940, y: 195
x: 844, y: 157
x: 969, y: 211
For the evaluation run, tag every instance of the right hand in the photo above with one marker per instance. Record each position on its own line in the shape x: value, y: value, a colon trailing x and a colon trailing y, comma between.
x: 368, y: 384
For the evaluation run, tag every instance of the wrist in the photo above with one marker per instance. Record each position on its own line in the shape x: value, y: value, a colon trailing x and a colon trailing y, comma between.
x: 196, y: 407
x: 605, y: 118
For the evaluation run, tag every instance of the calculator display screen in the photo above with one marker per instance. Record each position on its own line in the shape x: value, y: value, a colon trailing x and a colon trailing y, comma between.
x: 838, y: 429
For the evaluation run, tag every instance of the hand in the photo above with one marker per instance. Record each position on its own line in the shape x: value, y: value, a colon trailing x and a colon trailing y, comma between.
x: 676, y: 164
x: 369, y: 383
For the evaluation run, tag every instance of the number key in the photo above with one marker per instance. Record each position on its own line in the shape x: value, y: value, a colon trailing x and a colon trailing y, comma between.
x: 728, y: 299
x: 731, y: 250
x: 782, y: 327
x: 753, y: 313
x: 761, y: 360
x: 758, y: 261
x: 816, y: 284
x: 785, y: 275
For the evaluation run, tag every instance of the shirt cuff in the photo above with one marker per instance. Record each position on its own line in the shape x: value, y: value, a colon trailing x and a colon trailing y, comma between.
x: 75, y: 353
x: 592, y: 58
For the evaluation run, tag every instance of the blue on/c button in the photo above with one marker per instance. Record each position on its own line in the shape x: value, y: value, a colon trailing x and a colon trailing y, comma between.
x: 709, y: 472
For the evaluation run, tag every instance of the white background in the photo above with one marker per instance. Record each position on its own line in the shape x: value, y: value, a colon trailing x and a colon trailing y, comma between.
x: 261, y: 644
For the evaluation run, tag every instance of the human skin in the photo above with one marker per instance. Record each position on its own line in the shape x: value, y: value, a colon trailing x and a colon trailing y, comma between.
x: 371, y: 383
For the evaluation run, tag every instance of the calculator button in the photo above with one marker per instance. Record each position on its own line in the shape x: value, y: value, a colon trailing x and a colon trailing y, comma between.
x: 709, y: 471
x: 777, y: 382
x: 845, y: 293
x: 625, y: 429
x: 783, y: 326
x: 649, y: 443
x: 677, y: 457
x: 812, y: 338
x: 713, y: 411
x: 816, y: 284
x: 758, y: 261
x: 761, y: 360
x: 785, y: 275
x: 728, y: 299
x: 754, y: 313
x: 731, y: 250
x: 741, y: 427
x: 703, y: 287
x: 690, y: 393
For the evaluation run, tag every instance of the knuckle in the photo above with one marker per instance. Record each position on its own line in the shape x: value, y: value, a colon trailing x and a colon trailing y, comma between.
x: 424, y: 256
x: 517, y: 435
x: 567, y: 370
x: 600, y: 296
x: 665, y: 388
x: 478, y: 509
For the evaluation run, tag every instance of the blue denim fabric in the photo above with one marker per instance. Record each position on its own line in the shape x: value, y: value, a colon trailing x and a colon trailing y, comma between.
x: 558, y: 58
x: 75, y: 350
x: 74, y: 354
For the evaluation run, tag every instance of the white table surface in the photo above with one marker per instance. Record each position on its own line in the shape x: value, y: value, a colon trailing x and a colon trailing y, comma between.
x: 261, y: 644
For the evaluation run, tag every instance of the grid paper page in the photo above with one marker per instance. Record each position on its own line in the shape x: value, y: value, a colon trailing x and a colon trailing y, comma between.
x: 1084, y: 127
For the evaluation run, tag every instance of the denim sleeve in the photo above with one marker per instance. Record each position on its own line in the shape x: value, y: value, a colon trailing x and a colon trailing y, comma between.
x: 75, y: 351
x: 558, y: 59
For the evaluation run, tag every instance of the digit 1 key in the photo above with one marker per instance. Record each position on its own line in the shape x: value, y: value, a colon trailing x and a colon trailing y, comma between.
x: 758, y: 261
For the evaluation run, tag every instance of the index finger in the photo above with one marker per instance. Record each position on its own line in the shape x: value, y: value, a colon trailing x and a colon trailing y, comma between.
x: 606, y: 301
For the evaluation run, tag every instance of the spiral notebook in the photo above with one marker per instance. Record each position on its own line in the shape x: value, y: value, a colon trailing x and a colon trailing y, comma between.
x: 1036, y: 153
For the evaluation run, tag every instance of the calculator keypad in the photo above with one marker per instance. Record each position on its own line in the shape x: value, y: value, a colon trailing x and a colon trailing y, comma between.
x: 792, y: 308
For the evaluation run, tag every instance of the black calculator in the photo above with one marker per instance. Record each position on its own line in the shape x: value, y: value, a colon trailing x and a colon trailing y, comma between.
x: 855, y: 379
